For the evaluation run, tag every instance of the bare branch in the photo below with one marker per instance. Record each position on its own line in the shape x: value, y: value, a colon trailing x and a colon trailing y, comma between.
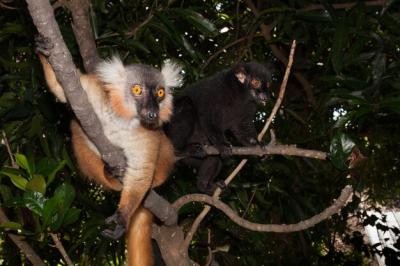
x: 215, y: 54
x: 343, y: 199
x: 30, y: 254
x: 281, y: 92
x: 61, y: 248
x: 149, y: 17
x: 278, y: 149
x: 83, y: 33
x: 161, y: 208
x: 344, y: 5
x: 243, y: 162
x: 169, y: 240
x: 58, y: 4
x: 13, y: 164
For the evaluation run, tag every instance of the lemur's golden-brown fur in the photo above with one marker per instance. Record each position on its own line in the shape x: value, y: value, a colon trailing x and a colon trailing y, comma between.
x: 131, y: 119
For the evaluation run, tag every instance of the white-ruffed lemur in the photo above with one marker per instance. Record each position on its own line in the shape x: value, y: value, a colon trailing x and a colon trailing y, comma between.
x: 132, y: 102
x: 207, y: 109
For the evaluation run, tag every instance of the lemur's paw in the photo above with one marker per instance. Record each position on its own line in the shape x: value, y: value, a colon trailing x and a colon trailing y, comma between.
x: 43, y: 45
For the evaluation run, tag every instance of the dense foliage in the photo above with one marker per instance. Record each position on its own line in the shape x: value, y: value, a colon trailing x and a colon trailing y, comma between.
x: 350, y: 56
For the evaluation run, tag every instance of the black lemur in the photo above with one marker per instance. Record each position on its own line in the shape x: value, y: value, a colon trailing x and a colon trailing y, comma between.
x: 207, y: 109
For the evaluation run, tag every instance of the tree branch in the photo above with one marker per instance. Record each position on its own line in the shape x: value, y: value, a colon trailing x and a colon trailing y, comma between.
x: 343, y: 199
x: 83, y: 33
x: 61, y: 248
x: 271, y: 149
x: 215, y: 54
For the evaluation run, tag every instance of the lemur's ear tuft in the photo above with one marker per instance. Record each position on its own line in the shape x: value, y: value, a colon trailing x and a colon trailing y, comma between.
x: 171, y: 73
x: 112, y: 71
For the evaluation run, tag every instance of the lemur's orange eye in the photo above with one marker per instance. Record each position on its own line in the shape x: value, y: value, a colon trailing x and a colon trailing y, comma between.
x: 161, y: 92
x: 136, y: 89
x: 256, y: 83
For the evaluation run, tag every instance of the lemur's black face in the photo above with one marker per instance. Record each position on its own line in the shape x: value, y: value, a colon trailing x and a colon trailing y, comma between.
x: 256, y: 78
x: 148, y: 93
x: 148, y: 98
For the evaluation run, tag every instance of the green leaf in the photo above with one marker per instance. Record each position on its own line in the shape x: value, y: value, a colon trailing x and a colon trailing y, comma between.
x: 49, y: 167
x: 37, y: 183
x: 71, y: 216
x: 392, y: 104
x: 340, y: 149
x: 197, y: 20
x: 56, y: 208
x: 50, y: 215
x: 11, y: 225
x: 5, y: 192
x: 19, y: 181
x: 340, y: 40
x: 52, y: 175
x: 22, y: 162
x: 65, y: 194
x: 35, y: 202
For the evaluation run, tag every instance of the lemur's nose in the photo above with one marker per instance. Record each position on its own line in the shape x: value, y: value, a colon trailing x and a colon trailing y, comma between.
x: 152, y: 115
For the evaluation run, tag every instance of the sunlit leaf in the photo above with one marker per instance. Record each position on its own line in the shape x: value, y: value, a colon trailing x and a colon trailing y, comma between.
x: 17, y: 179
x: 11, y: 225
x: 37, y: 183
x: 34, y: 201
x: 22, y: 162
x: 340, y: 149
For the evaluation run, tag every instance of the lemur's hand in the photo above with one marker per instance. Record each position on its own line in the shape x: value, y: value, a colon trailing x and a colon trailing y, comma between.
x: 43, y: 45
x: 114, y: 172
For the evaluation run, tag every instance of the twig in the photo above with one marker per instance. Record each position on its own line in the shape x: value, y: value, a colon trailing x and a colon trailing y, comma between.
x: 215, y: 54
x: 249, y: 203
x: 266, y: 33
x: 270, y: 149
x: 2, y: 5
x: 343, y: 199
x: 133, y: 32
x: 210, y: 254
x: 30, y: 254
x: 344, y: 5
x: 281, y: 92
x: 59, y: 4
x: 243, y: 162
x: 61, y: 248
x: 7, y: 144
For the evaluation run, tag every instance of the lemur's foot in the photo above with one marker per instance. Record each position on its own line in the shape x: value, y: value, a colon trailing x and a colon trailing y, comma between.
x: 119, y: 229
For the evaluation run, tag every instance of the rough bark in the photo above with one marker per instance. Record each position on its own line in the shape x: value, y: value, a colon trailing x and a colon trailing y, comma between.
x: 83, y: 33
